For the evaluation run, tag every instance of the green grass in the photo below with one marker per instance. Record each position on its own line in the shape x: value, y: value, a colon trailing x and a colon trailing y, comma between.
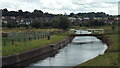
x: 110, y: 58
x: 24, y: 29
x: 17, y: 34
x: 115, y: 42
x: 24, y: 46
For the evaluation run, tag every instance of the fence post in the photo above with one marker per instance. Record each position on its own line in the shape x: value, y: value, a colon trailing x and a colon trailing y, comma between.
x: 12, y: 41
x: 35, y: 37
x: 38, y: 36
x: 29, y: 38
x: 43, y: 35
x: 25, y: 39
x: 4, y: 43
x: 19, y: 40
x: 32, y: 38
x: 57, y: 32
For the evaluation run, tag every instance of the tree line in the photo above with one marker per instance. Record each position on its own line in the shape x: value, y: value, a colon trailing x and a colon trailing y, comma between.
x: 90, y: 15
x: 39, y: 13
x: 26, y: 14
x: 56, y: 20
x: 60, y: 22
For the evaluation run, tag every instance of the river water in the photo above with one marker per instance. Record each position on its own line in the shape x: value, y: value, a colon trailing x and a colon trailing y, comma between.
x: 80, y: 50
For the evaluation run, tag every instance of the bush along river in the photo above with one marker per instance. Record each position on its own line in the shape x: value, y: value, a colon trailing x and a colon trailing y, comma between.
x: 80, y: 50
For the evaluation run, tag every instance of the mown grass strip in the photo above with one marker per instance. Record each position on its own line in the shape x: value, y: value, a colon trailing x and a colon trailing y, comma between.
x: 26, y: 30
x: 108, y: 59
x: 24, y: 46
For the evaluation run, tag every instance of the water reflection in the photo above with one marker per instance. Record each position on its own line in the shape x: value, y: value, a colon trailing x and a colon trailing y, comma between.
x: 74, y: 54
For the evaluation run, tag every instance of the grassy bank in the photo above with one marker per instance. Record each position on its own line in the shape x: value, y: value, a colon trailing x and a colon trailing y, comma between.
x: 24, y: 46
x: 110, y: 58
x: 24, y: 29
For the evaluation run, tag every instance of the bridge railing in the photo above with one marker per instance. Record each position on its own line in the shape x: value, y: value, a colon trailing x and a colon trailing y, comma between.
x: 96, y: 31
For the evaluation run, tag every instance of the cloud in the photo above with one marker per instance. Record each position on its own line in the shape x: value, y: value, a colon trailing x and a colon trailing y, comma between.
x: 61, y: 6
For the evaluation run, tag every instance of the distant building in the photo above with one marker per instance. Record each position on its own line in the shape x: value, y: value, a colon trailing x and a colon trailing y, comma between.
x: 86, y: 18
x: 72, y: 19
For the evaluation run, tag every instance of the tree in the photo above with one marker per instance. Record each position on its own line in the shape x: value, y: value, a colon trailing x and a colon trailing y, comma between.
x: 4, y: 24
x: 48, y: 15
x: 20, y: 12
x: 91, y: 15
x: 47, y: 24
x: 27, y: 14
x: 113, y: 28
x: 37, y: 13
x: 76, y: 16
x: 96, y: 23
x: 55, y: 22
x: 64, y: 23
x: 36, y: 24
x: 11, y: 24
x: 5, y: 12
x: 71, y: 14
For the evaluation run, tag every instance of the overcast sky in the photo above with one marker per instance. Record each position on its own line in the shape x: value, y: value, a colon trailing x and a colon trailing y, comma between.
x: 62, y: 6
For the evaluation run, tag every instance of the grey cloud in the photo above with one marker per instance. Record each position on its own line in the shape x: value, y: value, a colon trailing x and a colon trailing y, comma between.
x: 61, y: 6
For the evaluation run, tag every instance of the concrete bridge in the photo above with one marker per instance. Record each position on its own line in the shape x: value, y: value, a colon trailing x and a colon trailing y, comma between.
x: 100, y: 33
x: 93, y: 30
x: 86, y: 35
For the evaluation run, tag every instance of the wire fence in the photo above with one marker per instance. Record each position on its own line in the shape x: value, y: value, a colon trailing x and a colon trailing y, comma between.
x: 18, y: 37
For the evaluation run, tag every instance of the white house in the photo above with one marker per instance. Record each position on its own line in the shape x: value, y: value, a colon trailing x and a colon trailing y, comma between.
x: 86, y: 18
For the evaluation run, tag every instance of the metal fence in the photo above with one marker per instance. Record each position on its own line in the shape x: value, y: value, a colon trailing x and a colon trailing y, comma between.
x: 18, y: 37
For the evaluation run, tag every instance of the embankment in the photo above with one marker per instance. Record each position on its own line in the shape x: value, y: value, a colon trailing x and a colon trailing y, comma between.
x: 24, y: 56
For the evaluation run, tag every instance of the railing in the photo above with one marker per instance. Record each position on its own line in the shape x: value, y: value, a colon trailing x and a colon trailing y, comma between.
x: 26, y: 36
x: 86, y: 34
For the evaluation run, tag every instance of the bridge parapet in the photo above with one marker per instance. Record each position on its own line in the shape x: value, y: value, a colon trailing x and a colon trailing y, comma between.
x: 95, y: 30
x: 86, y: 34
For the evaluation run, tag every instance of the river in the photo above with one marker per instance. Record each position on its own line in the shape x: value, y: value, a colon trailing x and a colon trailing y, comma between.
x: 80, y: 50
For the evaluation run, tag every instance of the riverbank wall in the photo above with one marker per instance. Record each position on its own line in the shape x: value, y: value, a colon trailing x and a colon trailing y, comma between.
x: 27, y: 55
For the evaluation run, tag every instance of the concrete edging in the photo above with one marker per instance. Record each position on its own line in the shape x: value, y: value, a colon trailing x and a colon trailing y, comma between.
x: 19, y: 57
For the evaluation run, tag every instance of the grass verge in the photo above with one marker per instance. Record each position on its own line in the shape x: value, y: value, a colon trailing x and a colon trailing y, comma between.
x: 24, y: 46
x: 24, y: 29
x: 110, y: 58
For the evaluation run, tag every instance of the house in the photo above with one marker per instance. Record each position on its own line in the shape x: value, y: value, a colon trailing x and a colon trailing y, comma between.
x: 86, y: 18
x: 72, y: 19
